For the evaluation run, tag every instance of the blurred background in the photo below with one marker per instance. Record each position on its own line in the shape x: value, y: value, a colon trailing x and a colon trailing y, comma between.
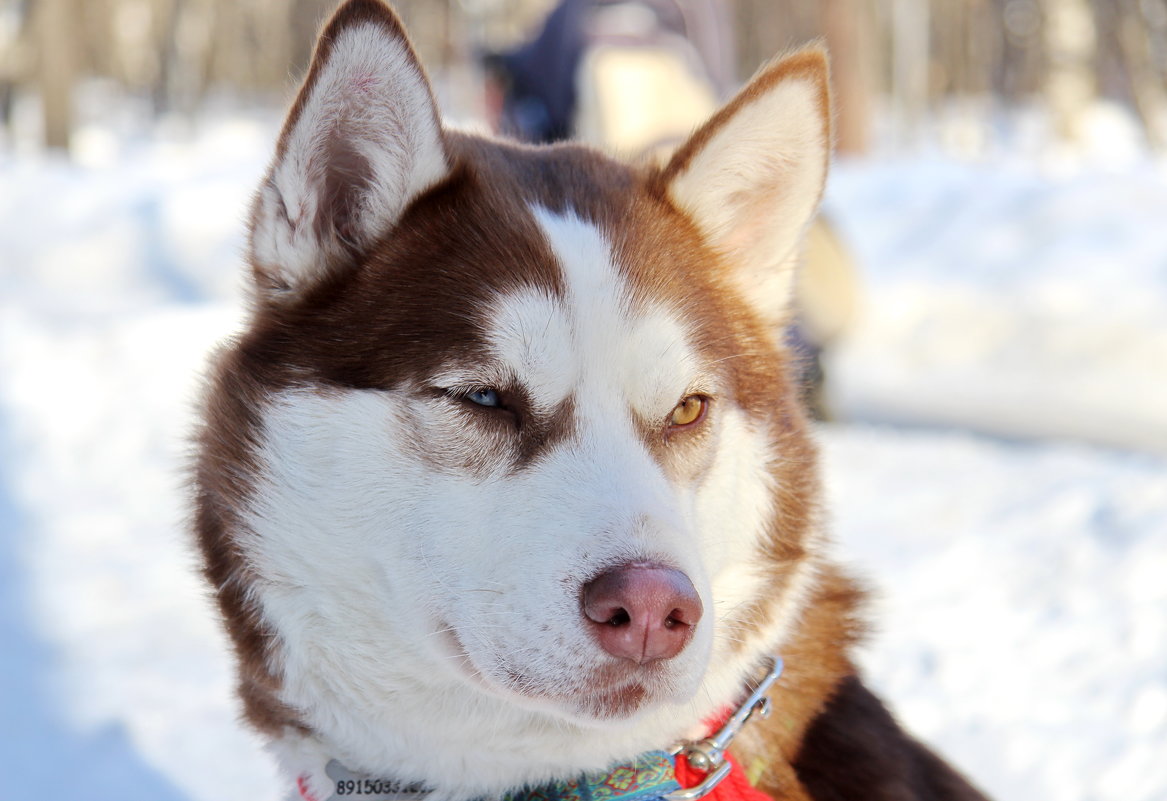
x: 906, y: 59
x: 983, y: 317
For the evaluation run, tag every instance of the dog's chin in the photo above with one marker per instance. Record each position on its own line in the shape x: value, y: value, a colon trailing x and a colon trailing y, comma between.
x: 614, y: 705
x: 595, y: 699
x: 611, y: 693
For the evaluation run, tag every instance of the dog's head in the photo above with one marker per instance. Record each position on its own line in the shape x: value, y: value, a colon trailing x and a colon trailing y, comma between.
x: 509, y: 444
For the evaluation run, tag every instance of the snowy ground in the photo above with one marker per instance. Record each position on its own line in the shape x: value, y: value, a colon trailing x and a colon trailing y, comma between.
x: 1002, y: 485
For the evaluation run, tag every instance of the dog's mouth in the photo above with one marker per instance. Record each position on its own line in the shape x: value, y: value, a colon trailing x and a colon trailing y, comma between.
x: 607, y: 692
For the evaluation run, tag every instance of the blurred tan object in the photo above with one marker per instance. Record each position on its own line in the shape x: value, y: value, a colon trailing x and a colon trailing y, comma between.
x: 639, y: 100
x: 828, y: 286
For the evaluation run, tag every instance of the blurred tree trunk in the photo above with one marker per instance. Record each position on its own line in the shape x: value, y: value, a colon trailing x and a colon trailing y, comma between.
x: 1070, y: 39
x: 985, y: 45
x: 56, y: 45
x: 849, y: 25
x: 188, y: 76
x: 272, y: 24
x: 163, y: 92
x: 13, y: 55
x: 1020, y: 69
x: 307, y: 18
x: 911, y: 62
x: 1138, y: 27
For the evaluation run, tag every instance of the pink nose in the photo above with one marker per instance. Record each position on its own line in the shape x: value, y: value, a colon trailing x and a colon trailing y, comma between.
x: 642, y: 612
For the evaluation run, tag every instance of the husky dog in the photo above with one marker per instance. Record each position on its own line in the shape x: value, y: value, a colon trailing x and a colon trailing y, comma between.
x: 506, y: 480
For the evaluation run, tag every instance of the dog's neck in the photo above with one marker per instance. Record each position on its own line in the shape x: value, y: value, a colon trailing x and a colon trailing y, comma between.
x: 653, y: 776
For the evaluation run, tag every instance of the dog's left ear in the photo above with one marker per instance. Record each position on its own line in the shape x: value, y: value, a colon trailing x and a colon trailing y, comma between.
x: 752, y: 176
x: 362, y: 141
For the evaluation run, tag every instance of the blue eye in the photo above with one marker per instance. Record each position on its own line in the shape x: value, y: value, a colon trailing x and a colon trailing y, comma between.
x: 484, y: 397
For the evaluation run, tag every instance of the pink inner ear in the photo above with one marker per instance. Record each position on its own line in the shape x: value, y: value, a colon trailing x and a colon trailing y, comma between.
x: 364, y: 83
x: 754, y: 210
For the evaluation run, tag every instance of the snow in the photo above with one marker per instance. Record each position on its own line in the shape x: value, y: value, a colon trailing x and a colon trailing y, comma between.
x: 1020, y: 603
x: 1001, y: 482
x: 1008, y: 300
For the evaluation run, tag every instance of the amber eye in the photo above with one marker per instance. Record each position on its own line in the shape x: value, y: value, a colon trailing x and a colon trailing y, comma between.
x: 690, y: 410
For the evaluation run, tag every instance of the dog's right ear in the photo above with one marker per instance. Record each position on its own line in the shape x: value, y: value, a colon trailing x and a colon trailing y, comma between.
x: 362, y: 141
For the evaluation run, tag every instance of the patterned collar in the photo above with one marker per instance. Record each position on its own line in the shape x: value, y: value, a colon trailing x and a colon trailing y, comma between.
x: 652, y: 776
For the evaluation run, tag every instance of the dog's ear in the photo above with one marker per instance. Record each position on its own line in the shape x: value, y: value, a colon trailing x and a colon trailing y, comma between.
x: 752, y: 176
x: 363, y: 139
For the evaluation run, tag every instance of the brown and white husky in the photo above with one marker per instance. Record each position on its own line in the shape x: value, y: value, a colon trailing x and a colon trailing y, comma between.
x: 506, y: 478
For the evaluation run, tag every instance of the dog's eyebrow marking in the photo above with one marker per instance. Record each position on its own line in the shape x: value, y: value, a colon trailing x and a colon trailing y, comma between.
x: 530, y: 334
x: 608, y: 341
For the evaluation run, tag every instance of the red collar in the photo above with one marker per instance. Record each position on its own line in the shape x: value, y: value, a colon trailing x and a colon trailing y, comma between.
x: 734, y: 787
